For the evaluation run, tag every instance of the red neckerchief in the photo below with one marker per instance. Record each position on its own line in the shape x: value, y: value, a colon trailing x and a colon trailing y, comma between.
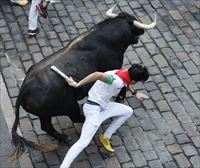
x: 124, y: 75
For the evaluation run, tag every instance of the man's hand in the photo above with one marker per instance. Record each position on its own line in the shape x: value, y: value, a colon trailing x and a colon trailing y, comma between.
x: 71, y: 82
x: 141, y: 96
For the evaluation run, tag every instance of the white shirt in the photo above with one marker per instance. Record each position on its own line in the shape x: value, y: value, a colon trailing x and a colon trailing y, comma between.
x: 102, y: 92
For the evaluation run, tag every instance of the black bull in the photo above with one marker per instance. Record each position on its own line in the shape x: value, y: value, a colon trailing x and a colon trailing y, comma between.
x: 45, y: 94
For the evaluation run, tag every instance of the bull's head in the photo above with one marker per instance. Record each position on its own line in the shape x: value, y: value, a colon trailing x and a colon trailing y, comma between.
x: 136, y: 26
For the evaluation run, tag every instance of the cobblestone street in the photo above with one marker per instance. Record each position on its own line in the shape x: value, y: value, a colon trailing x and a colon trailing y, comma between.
x: 163, y: 131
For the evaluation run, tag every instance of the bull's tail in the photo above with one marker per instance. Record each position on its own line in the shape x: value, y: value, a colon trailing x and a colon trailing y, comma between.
x: 20, y: 142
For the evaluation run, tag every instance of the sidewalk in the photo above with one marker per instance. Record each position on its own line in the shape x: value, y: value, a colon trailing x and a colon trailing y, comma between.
x: 163, y: 131
x: 5, y: 147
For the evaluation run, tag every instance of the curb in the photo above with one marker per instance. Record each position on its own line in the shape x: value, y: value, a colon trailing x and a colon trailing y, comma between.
x: 8, y: 114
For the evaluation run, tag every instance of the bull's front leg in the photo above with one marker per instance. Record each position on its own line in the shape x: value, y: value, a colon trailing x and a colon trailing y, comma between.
x: 47, y: 126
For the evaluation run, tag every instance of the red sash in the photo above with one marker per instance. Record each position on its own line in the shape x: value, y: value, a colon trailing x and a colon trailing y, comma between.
x: 124, y: 75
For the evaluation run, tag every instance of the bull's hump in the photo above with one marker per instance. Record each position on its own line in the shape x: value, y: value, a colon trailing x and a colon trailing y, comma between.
x: 77, y: 40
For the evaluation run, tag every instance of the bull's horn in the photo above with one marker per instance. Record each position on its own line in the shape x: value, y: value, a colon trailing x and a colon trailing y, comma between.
x: 145, y: 26
x: 110, y: 13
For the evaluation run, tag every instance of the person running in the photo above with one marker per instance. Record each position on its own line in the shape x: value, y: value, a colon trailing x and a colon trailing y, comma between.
x: 37, y: 8
x: 98, y: 106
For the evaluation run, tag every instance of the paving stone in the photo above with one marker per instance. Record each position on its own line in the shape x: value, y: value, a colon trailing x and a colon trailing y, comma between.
x: 175, y: 14
x: 196, y: 78
x: 36, y: 156
x: 182, y: 74
x: 189, y: 149
x: 140, y: 113
x: 174, y: 149
x: 122, y: 155
x: 162, y: 105
x: 148, y: 104
x: 162, y: 152
x: 158, y: 78
x: 182, y: 138
x: 149, y: 86
x: 41, y: 165
x: 173, y: 81
x: 143, y: 56
x: 182, y: 160
x: 63, y: 36
x: 146, y: 38
x: 47, y: 51
x: 175, y: 64
x: 183, y: 39
x: 156, y: 95
x: 13, y: 92
x: 183, y: 117
x: 11, y: 82
x: 37, y: 126
x: 191, y: 108
x: 112, y: 162
x: 170, y: 97
x: 191, y: 68
x: 59, y: 28
x: 51, y: 158
x: 150, y: 155
x: 155, y: 164
x: 196, y: 141
x: 195, y: 57
x: 27, y: 64
x: 153, y: 70
x: 82, y: 164
x: 9, y: 45
x: 153, y: 114
x: 161, y: 125
x: 151, y: 48
x: 146, y: 124
x: 55, y: 43
x: 37, y: 57
x: 96, y: 160
x: 170, y: 164
x: 195, y: 160
x: 128, y: 165
x: 142, y: 139
x: 189, y: 32
x: 182, y: 94
x: 160, y: 60
x: 168, y: 53
x: 165, y: 88
x: 138, y: 158
x: 132, y: 122
x: 176, y: 46
x: 168, y: 138
x: 130, y: 144
x: 134, y: 103
x: 124, y: 131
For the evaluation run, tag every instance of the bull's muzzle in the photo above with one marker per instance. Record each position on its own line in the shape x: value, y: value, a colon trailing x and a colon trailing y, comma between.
x: 137, y: 24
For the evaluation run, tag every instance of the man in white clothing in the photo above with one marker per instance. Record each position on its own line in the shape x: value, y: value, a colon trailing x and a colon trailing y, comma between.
x: 98, y: 106
x: 37, y: 8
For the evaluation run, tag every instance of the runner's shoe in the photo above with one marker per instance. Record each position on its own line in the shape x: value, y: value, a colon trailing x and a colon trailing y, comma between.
x: 20, y: 2
x: 42, y: 10
x: 106, y: 143
x: 33, y: 32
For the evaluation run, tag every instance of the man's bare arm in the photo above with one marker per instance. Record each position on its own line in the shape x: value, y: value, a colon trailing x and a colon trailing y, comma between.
x: 88, y: 79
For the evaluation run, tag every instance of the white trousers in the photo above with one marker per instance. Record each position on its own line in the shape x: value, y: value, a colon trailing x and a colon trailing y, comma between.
x: 33, y: 14
x: 94, y: 117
